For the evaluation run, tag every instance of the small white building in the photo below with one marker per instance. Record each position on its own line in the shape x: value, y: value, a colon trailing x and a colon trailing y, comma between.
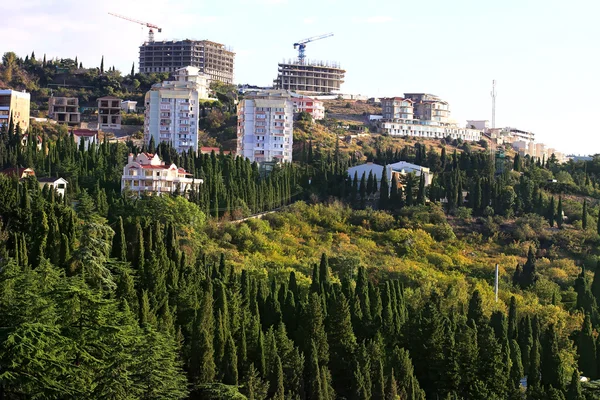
x: 401, y: 168
x: 480, y: 124
x: 128, y: 106
x: 88, y: 137
x: 147, y: 173
x: 58, y: 184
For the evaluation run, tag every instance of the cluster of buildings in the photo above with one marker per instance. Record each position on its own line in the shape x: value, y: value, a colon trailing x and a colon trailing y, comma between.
x: 421, y: 115
x: 400, y: 170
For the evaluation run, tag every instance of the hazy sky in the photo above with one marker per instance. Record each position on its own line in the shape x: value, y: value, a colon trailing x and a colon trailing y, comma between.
x: 544, y: 54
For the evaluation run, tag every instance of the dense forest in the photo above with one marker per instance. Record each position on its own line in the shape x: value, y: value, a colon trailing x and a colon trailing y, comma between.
x: 353, y: 289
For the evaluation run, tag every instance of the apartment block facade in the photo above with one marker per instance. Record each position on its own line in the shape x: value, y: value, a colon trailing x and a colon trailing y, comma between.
x: 16, y: 105
x: 172, y: 109
x: 64, y: 110
x: 147, y: 174
x: 213, y: 59
x: 314, y: 107
x: 109, y: 113
x: 265, y: 127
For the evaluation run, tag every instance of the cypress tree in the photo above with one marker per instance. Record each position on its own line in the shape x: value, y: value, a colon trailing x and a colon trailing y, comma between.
x: 342, y: 344
x: 512, y: 319
x: 584, y: 215
x: 391, y: 389
x: 550, y: 214
x: 559, y: 214
x: 421, y: 190
x: 315, y: 389
x: 574, y: 389
x: 586, y: 349
x: 277, y: 383
x: 119, y: 247
x: 529, y: 276
x: 230, y: 370
x: 534, y: 373
x: 102, y: 65
x: 595, y: 287
x: 553, y: 373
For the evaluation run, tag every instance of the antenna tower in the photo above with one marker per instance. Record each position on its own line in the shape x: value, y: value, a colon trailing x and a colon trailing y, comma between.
x: 493, y: 104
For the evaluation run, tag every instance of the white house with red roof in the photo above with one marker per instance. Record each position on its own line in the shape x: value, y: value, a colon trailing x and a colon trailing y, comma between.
x: 88, y: 137
x: 147, y: 173
x: 314, y: 107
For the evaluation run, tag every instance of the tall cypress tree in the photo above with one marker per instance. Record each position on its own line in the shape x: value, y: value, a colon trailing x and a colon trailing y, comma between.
x: 559, y: 214
x: 384, y: 190
x: 586, y: 349
x: 584, y: 215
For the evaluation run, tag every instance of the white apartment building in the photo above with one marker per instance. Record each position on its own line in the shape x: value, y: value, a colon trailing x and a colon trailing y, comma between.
x: 314, y: 107
x: 172, y: 109
x: 421, y: 115
x: 147, y: 173
x: 265, y: 127
x: 15, y: 104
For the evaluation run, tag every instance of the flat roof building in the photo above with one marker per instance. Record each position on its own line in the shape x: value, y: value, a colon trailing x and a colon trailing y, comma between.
x: 16, y: 105
x: 265, y: 127
x: 64, y: 110
x: 213, y: 59
x: 316, y: 77
x: 173, y: 107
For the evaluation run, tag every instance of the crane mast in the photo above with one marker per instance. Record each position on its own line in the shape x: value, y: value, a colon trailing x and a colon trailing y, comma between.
x: 301, y: 46
x: 146, y: 24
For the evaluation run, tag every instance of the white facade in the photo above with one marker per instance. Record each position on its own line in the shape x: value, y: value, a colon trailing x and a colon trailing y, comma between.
x: 128, y: 105
x: 481, y: 124
x: 414, y: 128
x: 265, y: 127
x: 58, y: 184
x: 146, y: 173
x: 314, y: 107
x: 172, y: 109
x: 87, y: 136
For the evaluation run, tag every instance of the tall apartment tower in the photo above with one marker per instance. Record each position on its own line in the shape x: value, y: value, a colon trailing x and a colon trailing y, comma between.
x: 15, y: 105
x: 265, y: 127
x: 211, y: 58
x: 172, y: 109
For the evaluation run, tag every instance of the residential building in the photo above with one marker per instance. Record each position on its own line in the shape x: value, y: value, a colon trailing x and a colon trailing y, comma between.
x: 16, y: 105
x: 265, y: 127
x: 314, y: 107
x: 64, y: 110
x: 315, y: 77
x: 400, y: 169
x: 480, y: 124
x: 147, y: 174
x: 129, y: 106
x: 213, y: 59
x: 518, y: 134
x: 421, y: 115
x: 216, y: 150
x: 20, y: 173
x: 172, y: 109
x: 58, y: 184
x: 87, y: 136
x: 25, y: 141
x: 109, y: 113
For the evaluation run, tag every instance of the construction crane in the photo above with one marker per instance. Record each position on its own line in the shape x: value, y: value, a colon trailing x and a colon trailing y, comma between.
x: 147, y: 24
x: 301, y: 45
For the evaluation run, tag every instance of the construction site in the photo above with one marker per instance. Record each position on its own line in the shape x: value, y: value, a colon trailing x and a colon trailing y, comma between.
x: 309, y: 76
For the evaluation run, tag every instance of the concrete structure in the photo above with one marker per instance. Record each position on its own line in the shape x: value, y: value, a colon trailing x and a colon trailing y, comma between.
x: 312, y: 77
x: 213, y: 59
x: 400, y: 169
x: 518, y: 134
x: 58, y: 184
x: 172, y: 109
x: 422, y: 115
x: 216, y: 150
x: 25, y: 141
x: 109, y: 113
x: 480, y: 124
x: 16, y: 105
x: 64, y: 110
x: 88, y: 137
x: 265, y: 127
x: 128, y: 106
x: 314, y: 107
x: 148, y: 174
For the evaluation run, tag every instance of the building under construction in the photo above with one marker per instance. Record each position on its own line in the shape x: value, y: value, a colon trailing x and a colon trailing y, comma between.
x: 211, y: 58
x: 314, y: 77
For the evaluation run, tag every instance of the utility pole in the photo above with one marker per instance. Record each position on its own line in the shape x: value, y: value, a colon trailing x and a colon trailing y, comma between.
x: 493, y: 104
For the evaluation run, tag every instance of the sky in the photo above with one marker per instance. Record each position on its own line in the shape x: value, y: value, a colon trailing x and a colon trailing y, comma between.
x: 543, y: 54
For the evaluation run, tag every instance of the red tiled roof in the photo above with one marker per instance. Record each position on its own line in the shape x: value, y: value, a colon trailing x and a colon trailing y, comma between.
x: 16, y: 171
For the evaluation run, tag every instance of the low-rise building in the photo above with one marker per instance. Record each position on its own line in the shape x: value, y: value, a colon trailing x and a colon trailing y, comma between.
x: 87, y: 136
x: 20, y: 173
x: 147, y: 174
x: 109, y: 113
x: 312, y: 106
x: 129, y: 106
x: 58, y: 184
x: 480, y: 124
x: 432, y: 131
x: 15, y: 105
x: 216, y: 150
x: 64, y: 110
x: 401, y: 169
